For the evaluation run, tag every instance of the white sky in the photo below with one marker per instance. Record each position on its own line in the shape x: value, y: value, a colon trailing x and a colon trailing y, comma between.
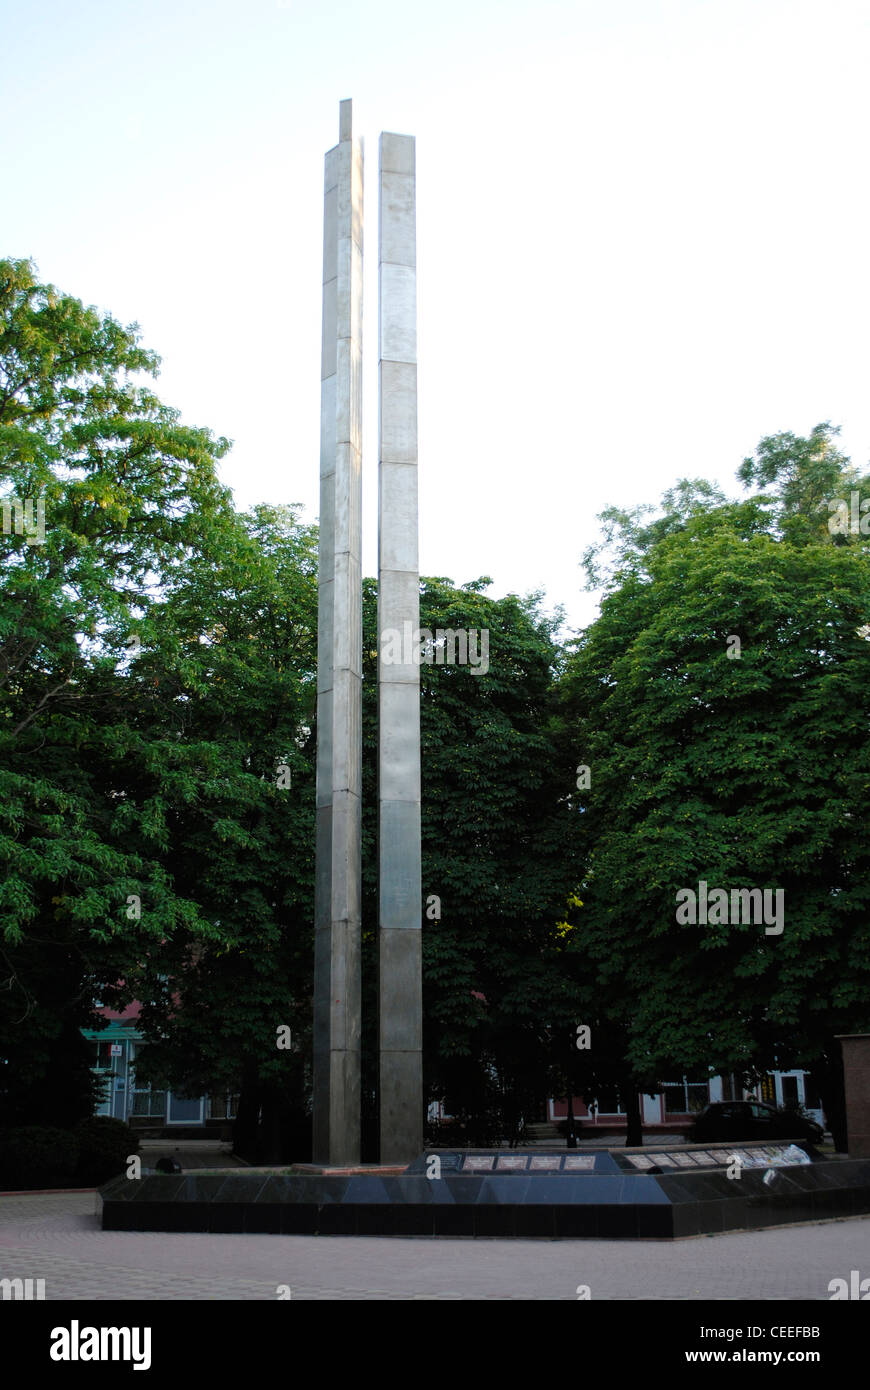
x: 642, y: 236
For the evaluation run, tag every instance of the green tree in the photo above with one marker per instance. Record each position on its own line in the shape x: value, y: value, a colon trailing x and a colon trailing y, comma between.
x: 498, y: 854
x: 497, y: 846
x: 159, y: 669
x: 106, y: 492
x: 741, y: 771
x: 232, y: 735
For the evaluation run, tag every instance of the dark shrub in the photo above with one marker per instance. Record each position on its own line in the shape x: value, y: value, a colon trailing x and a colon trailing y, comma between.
x: 33, y: 1157
x: 104, y: 1146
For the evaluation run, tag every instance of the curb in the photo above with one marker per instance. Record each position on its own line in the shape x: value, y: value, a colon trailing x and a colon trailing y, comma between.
x: 44, y: 1191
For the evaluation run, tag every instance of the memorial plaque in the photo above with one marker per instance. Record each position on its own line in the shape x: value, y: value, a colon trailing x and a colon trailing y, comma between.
x: 478, y: 1163
x: 796, y: 1155
x: 684, y: 1160
x: 753, y: 1159
x: 545, y: 1163
x: 579, y: 1163
x: 512, y: 1163
x: 641, y: 1161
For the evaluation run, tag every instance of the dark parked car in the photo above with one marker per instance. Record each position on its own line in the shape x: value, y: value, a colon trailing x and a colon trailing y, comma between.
x: 751, y: 1119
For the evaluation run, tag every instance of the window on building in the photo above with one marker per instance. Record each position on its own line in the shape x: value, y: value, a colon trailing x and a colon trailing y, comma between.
x: 685, y: 1097
x: 146, y: 1102
x: 104, y: 1068
x: 223, y: 1107
x: 104, y: 1059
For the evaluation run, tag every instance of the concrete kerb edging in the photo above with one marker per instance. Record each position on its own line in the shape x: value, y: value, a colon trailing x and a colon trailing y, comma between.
x: 44, y: 1191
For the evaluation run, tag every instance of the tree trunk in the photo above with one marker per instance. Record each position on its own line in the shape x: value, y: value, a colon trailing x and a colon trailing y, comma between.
x: 270, y: 1128
x: 246, y: 1123
x: 572, y: 1133
x: 634, y: 1121
x: 832, y: 1093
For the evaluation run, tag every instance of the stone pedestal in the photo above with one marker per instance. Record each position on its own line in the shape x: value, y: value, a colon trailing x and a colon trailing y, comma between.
x: 856, y: 1075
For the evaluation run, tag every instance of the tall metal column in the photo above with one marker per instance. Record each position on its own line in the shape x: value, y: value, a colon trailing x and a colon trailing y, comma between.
x: 339, y: 664
x: 400, y: 904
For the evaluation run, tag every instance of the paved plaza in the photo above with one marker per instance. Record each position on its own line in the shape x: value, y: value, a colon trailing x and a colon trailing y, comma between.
x: 57, y: 1237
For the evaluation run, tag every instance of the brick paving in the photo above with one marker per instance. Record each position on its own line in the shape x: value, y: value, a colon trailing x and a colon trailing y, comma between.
x: 56, y: 1237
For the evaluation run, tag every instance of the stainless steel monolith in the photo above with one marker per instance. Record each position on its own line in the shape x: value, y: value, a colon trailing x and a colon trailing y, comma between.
x: 339, y: 664
x: 400, y: 903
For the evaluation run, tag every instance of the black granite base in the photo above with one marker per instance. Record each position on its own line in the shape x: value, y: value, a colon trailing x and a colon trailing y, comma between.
x: 608, y: 1196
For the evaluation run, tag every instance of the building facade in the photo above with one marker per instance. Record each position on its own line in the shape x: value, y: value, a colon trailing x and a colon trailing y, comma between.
x: 680, y: 1099
x: 672, y: 1109
x: 142, y: 1106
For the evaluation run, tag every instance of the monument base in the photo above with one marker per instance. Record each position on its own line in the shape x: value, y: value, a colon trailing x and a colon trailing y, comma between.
x: 660, y: 1194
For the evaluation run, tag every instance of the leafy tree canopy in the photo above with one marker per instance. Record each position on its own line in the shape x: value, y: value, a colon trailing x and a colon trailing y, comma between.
x: 106, y: 494
x: 740, y: 765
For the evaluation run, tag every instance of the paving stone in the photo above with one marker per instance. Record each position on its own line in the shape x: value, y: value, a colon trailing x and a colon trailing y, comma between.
x: 57, y: 1237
